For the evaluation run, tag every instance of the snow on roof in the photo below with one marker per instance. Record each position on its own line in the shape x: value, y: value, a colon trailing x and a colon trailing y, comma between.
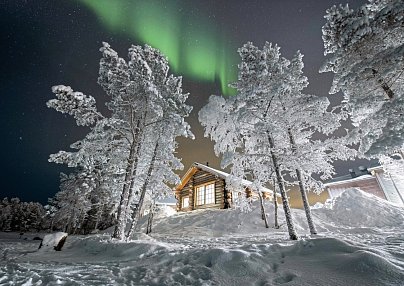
x: 344, y: 181
x: 348, y: 178
x: 377, y: 168
x: 211, y: 170
x: 215, y: 172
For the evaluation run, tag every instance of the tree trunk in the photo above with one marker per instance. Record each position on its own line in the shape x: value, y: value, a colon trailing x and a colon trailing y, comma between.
x: 150, y: 220
x: 285, y: 202
x: 275, y: 205
x: 119, y: 231
x: 263, y: 213
x: 132, y: 183
x: 306, y: 204
x: 384, y: 86
x: 98, y: 216
x: 100, y: 204
x: 302, y: 188
x: 137, y: 211
x: 401, y: 154
x: 126, y: 195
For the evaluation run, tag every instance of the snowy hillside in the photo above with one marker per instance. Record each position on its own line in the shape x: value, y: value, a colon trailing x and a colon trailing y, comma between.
x: 360, y: 243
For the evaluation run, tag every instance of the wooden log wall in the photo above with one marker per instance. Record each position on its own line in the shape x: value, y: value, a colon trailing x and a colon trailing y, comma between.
x: 200, y: 178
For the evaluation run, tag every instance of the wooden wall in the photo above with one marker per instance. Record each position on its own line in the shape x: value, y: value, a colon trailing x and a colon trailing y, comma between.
x: 200, y: 178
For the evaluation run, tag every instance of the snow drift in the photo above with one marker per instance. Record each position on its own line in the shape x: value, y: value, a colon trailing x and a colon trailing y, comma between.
x: 228, y: 247
x: 98, y: 261
x: 353, y: 208
x: 359, y: 209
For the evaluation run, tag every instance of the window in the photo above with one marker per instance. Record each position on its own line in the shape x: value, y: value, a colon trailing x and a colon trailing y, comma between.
x: 205, y: 194
x: 185, y: 202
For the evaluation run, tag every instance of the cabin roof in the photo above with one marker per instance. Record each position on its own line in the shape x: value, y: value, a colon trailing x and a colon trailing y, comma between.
x: 198, y: 166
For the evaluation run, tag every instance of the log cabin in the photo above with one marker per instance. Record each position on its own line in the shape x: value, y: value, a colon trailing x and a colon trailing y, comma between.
x: 203, y: 187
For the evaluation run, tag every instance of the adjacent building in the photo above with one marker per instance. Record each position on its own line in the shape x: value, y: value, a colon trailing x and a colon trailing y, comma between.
x: 373, y: 181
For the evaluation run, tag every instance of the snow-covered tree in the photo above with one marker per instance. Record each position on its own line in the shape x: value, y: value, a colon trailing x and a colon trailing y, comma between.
x: 123, y: 146
x: 303, y: 115
x: 145, y: 98
x: 72, y: 202
x: 16, y: 215
x: 160, y: 142
x: 240, y: 127
x: 5, y: 215
x: 271, y: 123
x: 366, y: 48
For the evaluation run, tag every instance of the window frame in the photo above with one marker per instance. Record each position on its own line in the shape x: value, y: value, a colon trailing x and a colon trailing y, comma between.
x: 201, y: 200
x: 183, y: 200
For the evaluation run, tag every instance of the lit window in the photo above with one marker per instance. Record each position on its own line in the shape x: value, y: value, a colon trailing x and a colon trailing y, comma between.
x: 185, y: 202
x: 205, y: 194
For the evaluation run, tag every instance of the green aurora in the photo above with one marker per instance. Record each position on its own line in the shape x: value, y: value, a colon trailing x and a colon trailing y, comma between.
x: 194, y: 49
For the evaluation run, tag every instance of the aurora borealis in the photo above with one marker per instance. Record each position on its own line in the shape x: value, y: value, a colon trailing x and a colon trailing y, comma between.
x: 48, y: 42
x: 193, y: 45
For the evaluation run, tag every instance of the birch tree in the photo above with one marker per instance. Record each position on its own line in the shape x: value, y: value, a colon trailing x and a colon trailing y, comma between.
x: 139, y: 91
x: 248, y: 119
x: 272, y: 122
x: 302, y: 116
x: 160, y: 175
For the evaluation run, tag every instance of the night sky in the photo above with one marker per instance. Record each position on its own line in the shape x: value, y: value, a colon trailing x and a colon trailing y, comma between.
x: 45, y: 43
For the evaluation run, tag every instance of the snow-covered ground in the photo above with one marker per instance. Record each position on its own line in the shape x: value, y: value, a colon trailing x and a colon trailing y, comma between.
x: 361, y: 242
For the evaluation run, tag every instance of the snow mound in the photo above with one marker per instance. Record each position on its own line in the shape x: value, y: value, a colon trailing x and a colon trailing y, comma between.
x: 164, y: 211
x: 356, y: 208
x: 352, y: 209
x: 322, y: 258
x: 101, y: 247
x: 217, y: 222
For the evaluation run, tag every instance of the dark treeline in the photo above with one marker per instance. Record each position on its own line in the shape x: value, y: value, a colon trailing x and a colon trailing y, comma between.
x: 18, y: 216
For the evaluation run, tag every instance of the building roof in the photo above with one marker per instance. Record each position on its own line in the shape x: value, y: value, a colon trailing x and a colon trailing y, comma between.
x: 346, y: 179
x: 358, y: 176
x: 377, y: 168
x: 198, y: 166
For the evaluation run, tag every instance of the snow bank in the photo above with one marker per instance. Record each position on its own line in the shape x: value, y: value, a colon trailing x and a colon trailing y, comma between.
x: 322, y: 261
x: 355, y: 208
